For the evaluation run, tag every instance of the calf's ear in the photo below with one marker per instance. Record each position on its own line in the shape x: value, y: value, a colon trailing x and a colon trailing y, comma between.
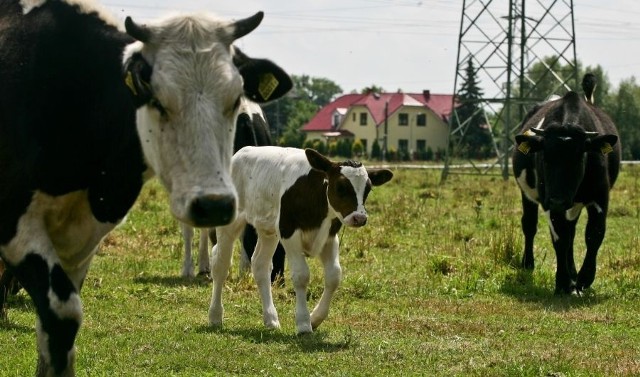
x: 602, y: 143
x: 318, y: 161
x: 263, y: 80
x: 379, y: 177
x: 529, y: 143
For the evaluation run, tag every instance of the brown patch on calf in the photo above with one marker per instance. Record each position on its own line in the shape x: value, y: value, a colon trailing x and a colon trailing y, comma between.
x: 304, y: 204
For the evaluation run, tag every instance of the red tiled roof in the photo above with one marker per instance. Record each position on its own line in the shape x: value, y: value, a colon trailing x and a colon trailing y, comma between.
x: 375, y: 103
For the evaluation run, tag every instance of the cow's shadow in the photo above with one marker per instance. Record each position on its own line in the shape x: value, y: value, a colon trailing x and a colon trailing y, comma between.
x: 309, y: 343
x: 521, y: 286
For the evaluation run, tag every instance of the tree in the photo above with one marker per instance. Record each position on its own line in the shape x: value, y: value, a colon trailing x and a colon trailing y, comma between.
x: 376, y: 151
x: 477, y: 140
x: 287, y: 115
x: 372, y: 89
x: 624, y: 108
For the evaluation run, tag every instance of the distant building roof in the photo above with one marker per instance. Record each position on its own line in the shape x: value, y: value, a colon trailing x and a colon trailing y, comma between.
x: 438, y: 103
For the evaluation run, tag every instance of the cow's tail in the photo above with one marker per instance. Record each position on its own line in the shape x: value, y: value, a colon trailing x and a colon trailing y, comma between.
x: 589, y: 83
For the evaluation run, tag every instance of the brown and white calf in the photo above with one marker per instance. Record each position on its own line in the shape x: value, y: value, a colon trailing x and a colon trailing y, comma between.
x: 300, y: 198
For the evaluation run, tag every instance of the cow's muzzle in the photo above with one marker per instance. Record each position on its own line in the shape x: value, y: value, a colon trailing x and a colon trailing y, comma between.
x: 212, y: 210
x: 356, y: 219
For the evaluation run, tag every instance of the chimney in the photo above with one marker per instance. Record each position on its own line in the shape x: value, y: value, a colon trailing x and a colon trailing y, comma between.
x: 426, y: 94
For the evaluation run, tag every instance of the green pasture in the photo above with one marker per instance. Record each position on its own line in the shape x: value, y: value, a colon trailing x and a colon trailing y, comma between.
x: 431, y: 287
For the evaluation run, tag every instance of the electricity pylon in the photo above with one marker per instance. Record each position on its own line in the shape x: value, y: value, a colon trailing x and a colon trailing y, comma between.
x: 506, y: 39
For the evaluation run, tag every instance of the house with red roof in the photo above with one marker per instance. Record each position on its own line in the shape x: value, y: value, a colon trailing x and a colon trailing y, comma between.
x: 413, y: 121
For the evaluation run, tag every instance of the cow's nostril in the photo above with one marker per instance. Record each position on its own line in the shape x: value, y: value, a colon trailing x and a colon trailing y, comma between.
x: 212, y: 210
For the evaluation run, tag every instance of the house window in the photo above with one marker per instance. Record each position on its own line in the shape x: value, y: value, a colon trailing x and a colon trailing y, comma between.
x: 353, y: 117
x: 421, y: 120
x: 336, y: 120
x: 421, y: 145
x: 363, y: 119
x: 403, y: 119
x: 403, y: 145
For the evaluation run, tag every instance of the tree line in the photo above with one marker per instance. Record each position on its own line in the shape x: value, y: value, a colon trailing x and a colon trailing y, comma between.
x: 309, y: 94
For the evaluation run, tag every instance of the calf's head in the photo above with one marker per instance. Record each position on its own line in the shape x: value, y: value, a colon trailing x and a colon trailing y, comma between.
x: 349, y: 184
x: 561, y: 157
x: 187, y: 80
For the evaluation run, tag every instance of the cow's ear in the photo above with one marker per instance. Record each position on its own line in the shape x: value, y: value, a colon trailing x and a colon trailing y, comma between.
x: 529, y: 143
x: 318, y: 161
x: 263, y: 80
x: 379, y: 177
x: 602, y: 143
x: 137, y: 76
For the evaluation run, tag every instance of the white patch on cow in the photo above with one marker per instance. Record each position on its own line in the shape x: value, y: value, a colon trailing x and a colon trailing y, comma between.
x: 553, y: 97
x: 554, y: 235
x: 250, y: 108
x: 530, y: 192
x: 61, y: 229
x: 573, y: 213
x: 196, y: 82
x: 596, y: 206
x: 539, y: 123
x: 29, y: 5
x: 69, y: 309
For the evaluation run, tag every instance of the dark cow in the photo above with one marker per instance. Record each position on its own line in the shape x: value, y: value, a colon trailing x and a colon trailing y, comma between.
x: 568, y: 157
x: 251, y: 129
x: 87, y: 113
x: 302, y: 199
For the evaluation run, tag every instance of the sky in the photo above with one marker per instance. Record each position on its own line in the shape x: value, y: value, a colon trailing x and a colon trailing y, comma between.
x: 410, y: 45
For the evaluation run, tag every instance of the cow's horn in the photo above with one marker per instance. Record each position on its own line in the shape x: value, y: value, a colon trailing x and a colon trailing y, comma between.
x: 537, y: 131
x: 246, y: 25
x: 139, y: 32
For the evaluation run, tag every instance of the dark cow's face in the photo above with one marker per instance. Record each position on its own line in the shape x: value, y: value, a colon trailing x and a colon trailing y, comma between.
x: 561, y: 158
x: 189, y: 81
x: 349, y: 184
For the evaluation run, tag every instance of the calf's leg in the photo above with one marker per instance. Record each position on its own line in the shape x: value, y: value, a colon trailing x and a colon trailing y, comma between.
x: 261, y: 268
x: 332, y: 276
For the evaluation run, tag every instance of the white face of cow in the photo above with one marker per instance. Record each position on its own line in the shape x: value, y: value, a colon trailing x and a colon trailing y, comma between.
x: 187, y: 123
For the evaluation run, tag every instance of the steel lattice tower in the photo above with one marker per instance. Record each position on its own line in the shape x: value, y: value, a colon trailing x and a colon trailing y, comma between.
x: 505, y: 39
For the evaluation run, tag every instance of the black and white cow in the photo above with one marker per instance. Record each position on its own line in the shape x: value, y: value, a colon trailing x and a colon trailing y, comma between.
x: 568, y: 158
x: 87, y: 113
x: 251, y: 130
x: 300, y: 198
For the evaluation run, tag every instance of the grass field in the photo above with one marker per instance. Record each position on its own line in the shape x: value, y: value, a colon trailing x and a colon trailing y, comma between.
x: 431, y: 287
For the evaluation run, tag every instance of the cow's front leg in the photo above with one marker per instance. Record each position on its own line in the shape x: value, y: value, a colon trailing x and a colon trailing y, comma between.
x: 332, y: 277
x: 594, y: 235
x: 187, y: 238
x: 58, y: 307
x: 220, y: 262
x: 560, y: 230
x: 203, y: 254
x: 300, y: 279
x: 261, y: 269
x: 529, y: 223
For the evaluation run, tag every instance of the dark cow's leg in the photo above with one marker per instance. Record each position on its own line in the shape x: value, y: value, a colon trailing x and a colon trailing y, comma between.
x: 529, y: 223
x: 59, y: 311
x: 277, y: 274
x: 562, y: 243
x: 594, y: 234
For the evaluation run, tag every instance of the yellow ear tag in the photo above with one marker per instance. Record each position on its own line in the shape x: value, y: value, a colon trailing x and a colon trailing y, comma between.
x: 524, y: 147
x: 606, y: 149
x: 129, y: 81
x: 268, y: 84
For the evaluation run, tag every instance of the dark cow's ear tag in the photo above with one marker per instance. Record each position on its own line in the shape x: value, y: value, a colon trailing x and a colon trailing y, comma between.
x: 524, y: 148
x: 606, y: 149
x: 267, y: 85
